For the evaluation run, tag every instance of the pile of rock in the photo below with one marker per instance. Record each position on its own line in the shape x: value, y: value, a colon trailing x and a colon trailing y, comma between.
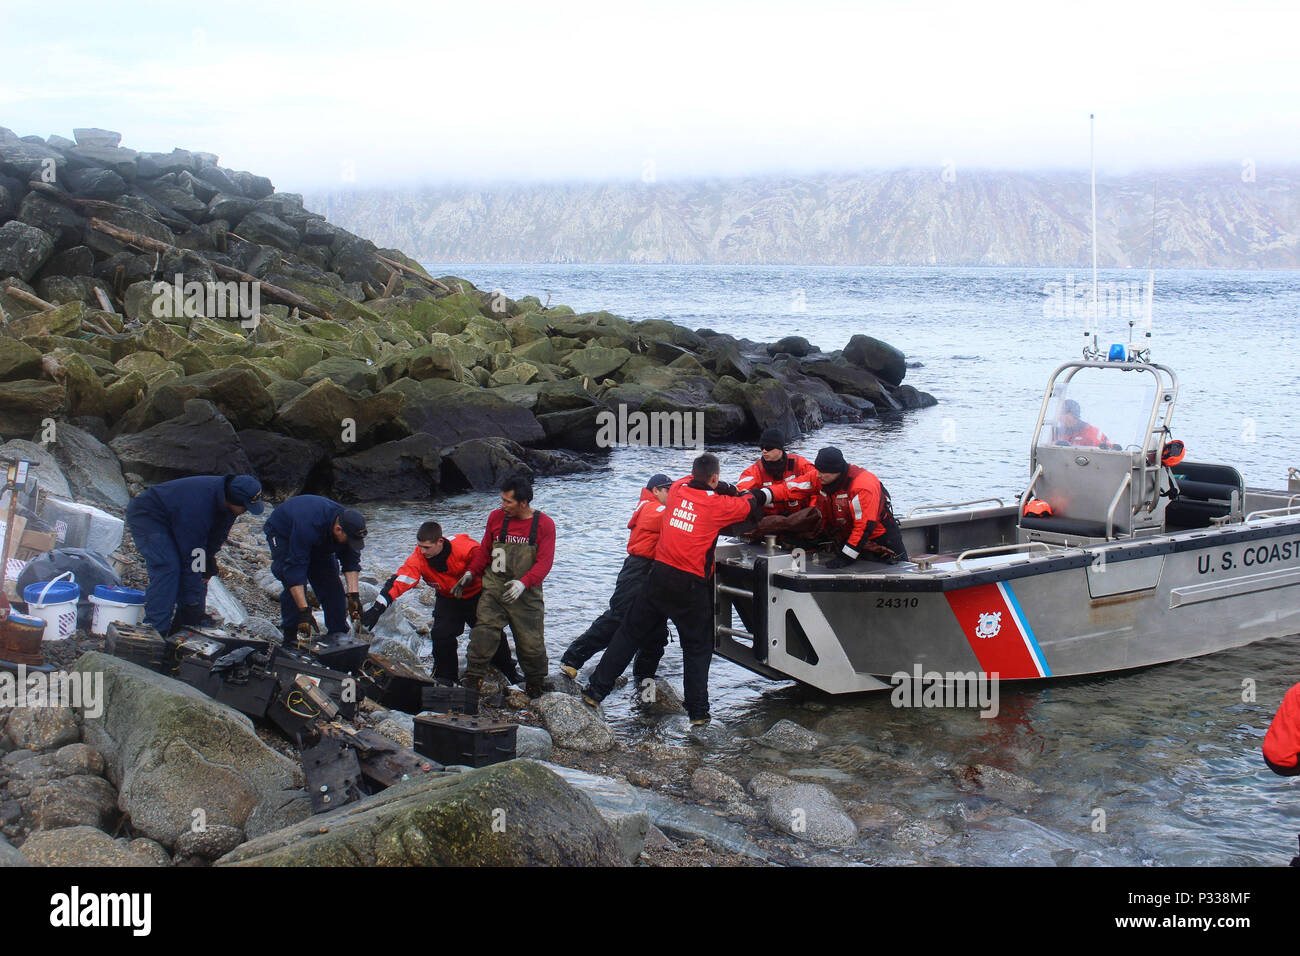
x: 195, y: 320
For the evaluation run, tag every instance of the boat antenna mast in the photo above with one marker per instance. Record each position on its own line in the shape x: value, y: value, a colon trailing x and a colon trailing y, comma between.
x: 1144, y: 354
x: 1091, y: 351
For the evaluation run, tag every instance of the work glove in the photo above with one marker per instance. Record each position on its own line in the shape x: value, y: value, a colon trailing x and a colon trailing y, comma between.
x: 370, y: 617
x: 354, y: 606
x: 462, y: 584
x: 313, y: 601
x: 726, y: 490
x: 306, y: 625
x: 513, y: 590
x: 839, y: 561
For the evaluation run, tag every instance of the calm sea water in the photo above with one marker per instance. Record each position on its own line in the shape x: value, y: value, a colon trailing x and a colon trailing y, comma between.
x: 1169, y: 756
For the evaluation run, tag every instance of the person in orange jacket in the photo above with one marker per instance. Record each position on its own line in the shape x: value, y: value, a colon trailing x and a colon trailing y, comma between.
x: 678, y: 586
x: 857, y: 511
x: 1072, y: 430
x: 440, y: 562
x: 644, y: 526
x: 789, y: 478
x: 1282, y: 742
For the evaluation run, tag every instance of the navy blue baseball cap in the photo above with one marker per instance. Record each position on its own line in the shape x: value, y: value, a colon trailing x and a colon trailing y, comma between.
x: 658, y: 481
x: 247, y: 491
x: 353, y: 524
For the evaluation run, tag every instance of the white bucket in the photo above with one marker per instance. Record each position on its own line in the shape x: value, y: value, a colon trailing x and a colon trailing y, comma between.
x: 108, y: 612
x: 61, y: 618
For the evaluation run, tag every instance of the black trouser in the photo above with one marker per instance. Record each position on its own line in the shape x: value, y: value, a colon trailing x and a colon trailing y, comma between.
x: 631, y: 578
x: 451, y: 615
x: 669, y: 595
x: 893, y: 536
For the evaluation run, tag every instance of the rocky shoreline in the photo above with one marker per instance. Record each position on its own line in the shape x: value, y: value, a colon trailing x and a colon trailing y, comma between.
x: 164, y: 316
x: 194, y: 320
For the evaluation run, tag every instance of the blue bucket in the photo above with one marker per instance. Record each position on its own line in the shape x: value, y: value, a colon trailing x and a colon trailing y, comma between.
x: 107, y: 592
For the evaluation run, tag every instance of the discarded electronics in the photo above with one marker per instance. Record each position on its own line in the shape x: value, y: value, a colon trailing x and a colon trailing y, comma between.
x: 385, y: 763
x: 139, y: 644
x: 339, y: 651
x: 394, y: 684
x: 240, y: 679
x: 449, y: 700
x: 333, y: 773
x: 340, y: 687
x: 453, y: 739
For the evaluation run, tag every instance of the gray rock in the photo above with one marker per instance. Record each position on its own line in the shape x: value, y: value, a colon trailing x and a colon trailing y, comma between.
x: 788, y: 737
x: 664, y: 700
x: 398, y: 727
x: 878, y: 357
x: 79, y: 758
x: 923, y: 834
x: 200, y: 441
x: 74, y: 801
x: 744, y: 812
x: 574, y: 725
x: 765, y: 783
x: 178, y: 756
x: 79, y: 846
x: 810, y: 812
x: 93, y: 474
x: 261, y: 627
x: 715, y: 785
x: 516, y: 813
x: 10, y: 856
x: 210, y: 843
x: 151, y: 850
x: 619, y: 804
x: 47, y: 465
x: 93, y: 136
x: 396, y: 651
x: 533, y: 743
x: 559, y: 683
x: 42, y: 728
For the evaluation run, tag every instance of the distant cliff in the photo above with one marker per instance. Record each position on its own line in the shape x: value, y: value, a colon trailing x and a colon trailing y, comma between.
x: 1229, y: 218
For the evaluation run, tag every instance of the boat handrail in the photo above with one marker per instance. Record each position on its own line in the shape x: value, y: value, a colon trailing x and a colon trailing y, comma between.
x: 1001, y: 549
x: 1033, y: 480
x: 956, y: 504
x: 1280, y: 512
x: 1114, y: 503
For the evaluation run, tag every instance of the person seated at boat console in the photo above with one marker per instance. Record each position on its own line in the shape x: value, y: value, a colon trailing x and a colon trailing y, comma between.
x: 1071, y: 429
x: 857, y: 511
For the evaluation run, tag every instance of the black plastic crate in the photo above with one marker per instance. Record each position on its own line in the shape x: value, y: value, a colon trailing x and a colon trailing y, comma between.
x: 449, y: 700
x: 341, y: 652
x: 333, y: 774
x: 341, y: 687
x: 296, y: 717
x: 453, y: 739
x: 394, y: 684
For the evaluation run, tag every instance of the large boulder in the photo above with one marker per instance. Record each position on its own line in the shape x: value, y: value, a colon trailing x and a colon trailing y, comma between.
x: 200, y: 441
x: 851, y: 380
x: 72, y: 801
x: 354, y: 375
x: 45, y: 460
x: 880, y: 358
x: 18, y: 360
x: 237, y: 393
x: 328, y: 416
x: 92, y: 471
x: 41, y: 728
x: 482, y: 464
x: 406, y: 470
x: 596, y: 362
x: 516, y: 813
x: 179, y: 759
x: 281, y: 463
x: 451, y: 413
x: 574, y: 725
x: 62, y: 320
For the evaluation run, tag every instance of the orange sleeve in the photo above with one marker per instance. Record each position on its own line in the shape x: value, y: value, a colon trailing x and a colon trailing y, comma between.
x: 1282, y: 742
x: 751, y: 477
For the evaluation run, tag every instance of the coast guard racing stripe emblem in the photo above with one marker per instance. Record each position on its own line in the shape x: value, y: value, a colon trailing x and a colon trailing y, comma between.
x: 1001, y: 637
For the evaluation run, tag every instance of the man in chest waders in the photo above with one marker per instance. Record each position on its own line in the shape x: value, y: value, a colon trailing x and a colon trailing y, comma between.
x: 515, y: 556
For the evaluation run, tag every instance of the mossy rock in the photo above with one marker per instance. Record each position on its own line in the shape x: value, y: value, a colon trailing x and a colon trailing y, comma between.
x: 595, y: 362
x: 354, y: 375
x: 326, y: 414
x: 448, y: 314
x: 155, y: 369
x: 539, y: 350
x: 125, y: 394
x: 284, y: 391
x: 516, y: 813
x: 520, y: 373
x: 324, y: 329
x: 18, y: 360
x: 366, y: 345
x: 102, y: 347
x: 530, y: 328
x: 487, y: 331
x: 63, y: 320
x: 85, y: 392
x: 299, y: 353
x: 26, y: 403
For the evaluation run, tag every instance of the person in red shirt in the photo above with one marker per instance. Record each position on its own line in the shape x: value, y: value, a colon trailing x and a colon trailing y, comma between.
x: 440, y: 562
x: 1073, y: 430
x: 788, y: 477
x: 677, y: 586
x: 857, y: 511
x: 644, y: 526
x: 514, y: 558
x: 1282, y: 742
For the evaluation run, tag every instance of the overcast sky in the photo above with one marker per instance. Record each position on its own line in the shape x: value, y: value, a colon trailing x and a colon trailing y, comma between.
x: 372, y: 93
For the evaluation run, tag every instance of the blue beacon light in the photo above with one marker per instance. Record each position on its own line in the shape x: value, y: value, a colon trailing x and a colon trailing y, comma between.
x: 1117, y: 353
